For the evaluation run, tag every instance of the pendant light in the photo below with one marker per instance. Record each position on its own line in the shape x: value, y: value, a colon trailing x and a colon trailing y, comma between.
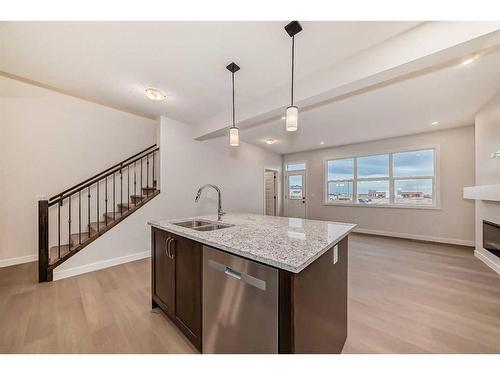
x: 234, y: 138
x: 292, y: 112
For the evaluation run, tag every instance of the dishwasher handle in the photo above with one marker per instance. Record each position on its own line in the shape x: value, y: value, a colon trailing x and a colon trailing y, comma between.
x: 247, y: 279
x: 230, y: 272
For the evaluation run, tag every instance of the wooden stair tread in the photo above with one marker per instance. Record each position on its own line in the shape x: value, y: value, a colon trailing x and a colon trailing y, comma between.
x: 113, y: 216
x: 75, y: 238
x: 67, y: 251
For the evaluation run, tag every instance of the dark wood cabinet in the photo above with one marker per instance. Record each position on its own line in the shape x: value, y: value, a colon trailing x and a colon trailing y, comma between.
x: 163, y: 270
x: 176, y: 273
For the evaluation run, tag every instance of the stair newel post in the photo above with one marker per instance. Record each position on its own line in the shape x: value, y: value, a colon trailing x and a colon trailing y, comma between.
x: 43, y: 241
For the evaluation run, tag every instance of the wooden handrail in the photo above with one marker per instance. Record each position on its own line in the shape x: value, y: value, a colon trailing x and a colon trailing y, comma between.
x: 107, y: 172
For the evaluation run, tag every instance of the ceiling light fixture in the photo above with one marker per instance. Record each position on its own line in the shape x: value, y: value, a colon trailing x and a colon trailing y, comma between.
x: 270, y: 141
x: 292, y: 112
x: 155, y: 94
x: 435, y: 123
x: 234, y: 137
x: 322, y: 142
x: 468, y: 61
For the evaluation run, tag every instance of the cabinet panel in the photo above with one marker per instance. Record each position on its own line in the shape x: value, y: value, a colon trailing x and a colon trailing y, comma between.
x: 163, y: 271
x: 188, y: 287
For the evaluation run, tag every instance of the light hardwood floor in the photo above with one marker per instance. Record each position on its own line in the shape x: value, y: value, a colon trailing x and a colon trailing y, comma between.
x: 404, y: 297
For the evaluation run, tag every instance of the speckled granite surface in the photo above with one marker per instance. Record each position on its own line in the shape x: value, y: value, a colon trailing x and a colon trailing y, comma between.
x: 286, y: 243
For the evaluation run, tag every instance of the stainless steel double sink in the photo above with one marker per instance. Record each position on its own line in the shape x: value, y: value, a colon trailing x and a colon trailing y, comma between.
x: 202, y: 225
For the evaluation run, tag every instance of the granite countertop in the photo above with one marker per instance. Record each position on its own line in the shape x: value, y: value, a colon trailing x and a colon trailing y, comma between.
x: 290, y: 244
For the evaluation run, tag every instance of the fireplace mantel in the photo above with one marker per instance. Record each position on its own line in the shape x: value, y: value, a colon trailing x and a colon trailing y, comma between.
x: 483, y: 193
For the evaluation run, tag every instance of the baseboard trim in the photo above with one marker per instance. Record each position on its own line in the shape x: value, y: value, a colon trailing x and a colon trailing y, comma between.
x: 418, y: 237
x: 18, y: 260
x: 70, y: 272
x: 495, y: 267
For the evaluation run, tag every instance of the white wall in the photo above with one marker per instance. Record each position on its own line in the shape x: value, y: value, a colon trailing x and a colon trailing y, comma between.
x: 186, y: 164
x: 487, y: 172
x: 49, y: 142
x: 452, y: 223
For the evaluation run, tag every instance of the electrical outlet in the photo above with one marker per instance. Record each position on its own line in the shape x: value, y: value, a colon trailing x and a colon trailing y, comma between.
x: 335, y: 254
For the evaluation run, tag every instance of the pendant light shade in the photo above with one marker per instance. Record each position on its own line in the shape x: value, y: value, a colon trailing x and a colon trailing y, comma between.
x: 234, y: 136
x: 292, y: 112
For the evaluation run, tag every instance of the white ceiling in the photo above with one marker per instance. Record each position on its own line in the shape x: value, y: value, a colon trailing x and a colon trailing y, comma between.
x: 113, y: 62
x: 451, y: 96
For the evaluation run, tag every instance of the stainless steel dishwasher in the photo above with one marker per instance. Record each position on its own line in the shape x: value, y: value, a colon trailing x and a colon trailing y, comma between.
x: 240, y: 304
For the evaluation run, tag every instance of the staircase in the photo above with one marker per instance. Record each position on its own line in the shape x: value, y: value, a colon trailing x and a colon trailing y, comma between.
x: 74, y: 218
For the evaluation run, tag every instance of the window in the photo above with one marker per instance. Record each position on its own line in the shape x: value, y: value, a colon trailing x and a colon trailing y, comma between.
x: 393, y: 179
x: 295, y: 186
x: 295, y: 166
x: 340, y: 180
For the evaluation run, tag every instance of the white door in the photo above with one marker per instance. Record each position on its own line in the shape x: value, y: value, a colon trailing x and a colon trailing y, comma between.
x: 271, y: 192
x: 295, y: 194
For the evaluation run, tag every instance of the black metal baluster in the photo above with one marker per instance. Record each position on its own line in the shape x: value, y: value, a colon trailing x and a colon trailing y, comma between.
x: 106, y: 201
x: 69, y: 222
x: 88, y: 213
x: 114, y: 202
x: 147, y: 171
x: 79, y: 216
x: 154, y: 182
x: 59, y: 204
x: 97, y: 212
x: 142, y: 196
x: 128, y: 186
x: 121, y: 192
x: 135, y: 179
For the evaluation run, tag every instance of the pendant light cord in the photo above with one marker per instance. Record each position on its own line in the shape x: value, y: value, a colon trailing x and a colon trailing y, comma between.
x: 293, y: 59
x: 233, y: 99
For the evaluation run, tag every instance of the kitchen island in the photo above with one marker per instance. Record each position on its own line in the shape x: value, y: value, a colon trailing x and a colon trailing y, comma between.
x: 252, y: 283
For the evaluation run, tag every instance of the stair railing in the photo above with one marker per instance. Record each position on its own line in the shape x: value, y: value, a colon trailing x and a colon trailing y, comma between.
x: 139, y: 172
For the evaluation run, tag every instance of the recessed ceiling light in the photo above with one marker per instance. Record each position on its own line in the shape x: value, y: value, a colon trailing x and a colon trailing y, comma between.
x: 322, y: 142
x: 155, y: 94
x: 435, y: 123
x: 270, y: 141
x: 283, y: 118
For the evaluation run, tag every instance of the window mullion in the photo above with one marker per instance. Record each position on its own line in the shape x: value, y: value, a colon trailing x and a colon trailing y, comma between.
x: 355, y: 182
x: 391, y: 180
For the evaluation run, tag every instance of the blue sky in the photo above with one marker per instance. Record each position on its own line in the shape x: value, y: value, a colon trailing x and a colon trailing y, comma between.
x: 415, y: 163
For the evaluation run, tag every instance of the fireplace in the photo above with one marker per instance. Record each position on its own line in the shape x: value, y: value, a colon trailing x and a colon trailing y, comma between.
x: 491, y: 237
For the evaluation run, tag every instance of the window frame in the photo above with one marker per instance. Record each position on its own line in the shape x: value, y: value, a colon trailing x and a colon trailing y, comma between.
x: 295, y: 162
x: 391, y: 179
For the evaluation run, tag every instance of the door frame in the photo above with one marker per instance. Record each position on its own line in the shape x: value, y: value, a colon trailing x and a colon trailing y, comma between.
x: 285, y: 184
x: 276, y: 187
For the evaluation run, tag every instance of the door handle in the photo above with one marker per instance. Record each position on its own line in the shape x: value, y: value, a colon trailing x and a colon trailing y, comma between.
x: 172, y: 248
x: 168, y: 251
x: 167, y: 245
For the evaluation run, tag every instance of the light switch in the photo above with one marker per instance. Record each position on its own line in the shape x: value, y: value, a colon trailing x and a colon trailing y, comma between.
x: 335, y: 254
